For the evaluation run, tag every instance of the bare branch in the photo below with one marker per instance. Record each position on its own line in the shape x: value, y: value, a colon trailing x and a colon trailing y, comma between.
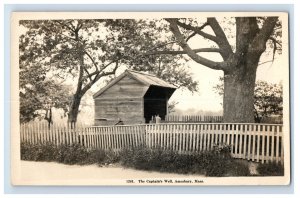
x: 65, y: 25
x: 274, y: 48
x: 264, y: 33
x: 221, y: 37
x: 88, y: 74
x: 184, y: 52
x: 190, y: 36
x: 274, y: 40
x: 100, y: 75
x: 113, y: 71
x: 194, y: 33
x: 268, y: 27
x: 266, y: 62
x: 181, y: 41
x: 162, y: 45
x: 198, y: 30
x: 91, y: 58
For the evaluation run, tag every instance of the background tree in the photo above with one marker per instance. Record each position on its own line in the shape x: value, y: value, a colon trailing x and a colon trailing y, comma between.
x: 240, y: 61
x: 268, y: 99
x: 172, y: 106
x: 89, y: 50
x: 39, y: 94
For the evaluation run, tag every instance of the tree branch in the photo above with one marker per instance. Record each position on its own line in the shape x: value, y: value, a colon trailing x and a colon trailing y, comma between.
x: 221, y: 37
x: 91, y: 58
x: 184, y: 52
x: 275, y: 41
x: 198, y: 30
x: 194, y: 33
x: 264, y: 33
x: 274, y: 48
x: 266, y: 62
x: 181, y: 41
x: 190, y: 36
x: 162, y: 45
x: 65, y: 25
x: 88, y: 74
x: 98, y: 76
x: 268, y: 28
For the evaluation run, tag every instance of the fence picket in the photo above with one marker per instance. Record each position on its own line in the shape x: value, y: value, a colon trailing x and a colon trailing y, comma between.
x: 249, y: 132
x: 205, y: 137
x: 245, y: 141
x: 263, y: 147
x: 268, y: 144
x: 277, y: 144
x: 258, y: 143
x: 240, y: 135
x: 282, y: 148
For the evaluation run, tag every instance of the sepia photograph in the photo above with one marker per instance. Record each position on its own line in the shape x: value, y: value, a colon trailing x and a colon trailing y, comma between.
x: 150, y: 98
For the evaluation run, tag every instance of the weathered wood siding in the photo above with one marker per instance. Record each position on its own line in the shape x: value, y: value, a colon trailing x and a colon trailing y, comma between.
x: 109, y: 111
x: 123, y: 100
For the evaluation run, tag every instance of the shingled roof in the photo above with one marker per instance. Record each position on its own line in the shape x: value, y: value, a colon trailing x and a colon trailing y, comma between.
x: 147, y: 79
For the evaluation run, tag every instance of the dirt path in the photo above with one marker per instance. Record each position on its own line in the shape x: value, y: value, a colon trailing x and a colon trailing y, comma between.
x: 51, y: 173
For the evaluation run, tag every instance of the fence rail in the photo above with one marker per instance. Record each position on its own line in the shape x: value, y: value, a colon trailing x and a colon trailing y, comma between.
x: 255, y: 142
x: 193, y: 119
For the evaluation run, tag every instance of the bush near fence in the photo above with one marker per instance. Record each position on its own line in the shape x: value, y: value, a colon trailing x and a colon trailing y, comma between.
x: 270, y: 169
x: 209, y: 163
x: 215, y: 163
x: 66, y: 154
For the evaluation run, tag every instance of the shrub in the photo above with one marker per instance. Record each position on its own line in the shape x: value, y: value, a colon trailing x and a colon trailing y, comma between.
x: 238, y: 168
x: 271, y: 169
x: 38, y: 152
x: 213, y: 163
x: 99, y: 156
x: 71, y: 154
x: 67, y: 154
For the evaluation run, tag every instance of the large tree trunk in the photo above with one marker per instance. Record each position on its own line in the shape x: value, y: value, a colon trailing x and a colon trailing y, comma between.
x: 49, y: 117
x: 239, y: 85
x: 74, y: 106
x: 74, y: 110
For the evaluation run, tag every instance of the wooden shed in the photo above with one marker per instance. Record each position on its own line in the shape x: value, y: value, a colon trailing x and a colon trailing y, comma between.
x: 133, y: 98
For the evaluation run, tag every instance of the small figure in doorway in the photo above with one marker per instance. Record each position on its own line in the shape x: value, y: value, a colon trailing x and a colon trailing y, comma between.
x: 157, y: 119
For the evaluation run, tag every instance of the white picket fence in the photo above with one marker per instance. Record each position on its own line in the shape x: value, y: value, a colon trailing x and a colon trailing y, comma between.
x: 193, y: 119
x: 255, y: 142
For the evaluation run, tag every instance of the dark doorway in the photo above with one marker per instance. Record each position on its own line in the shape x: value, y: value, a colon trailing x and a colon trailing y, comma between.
x: 154, y: 107
x: 155, y: 102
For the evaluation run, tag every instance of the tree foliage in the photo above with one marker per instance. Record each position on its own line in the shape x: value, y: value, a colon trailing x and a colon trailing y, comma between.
x: 268, y: 100
x: 90, y: 50
x: 38, y: 94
